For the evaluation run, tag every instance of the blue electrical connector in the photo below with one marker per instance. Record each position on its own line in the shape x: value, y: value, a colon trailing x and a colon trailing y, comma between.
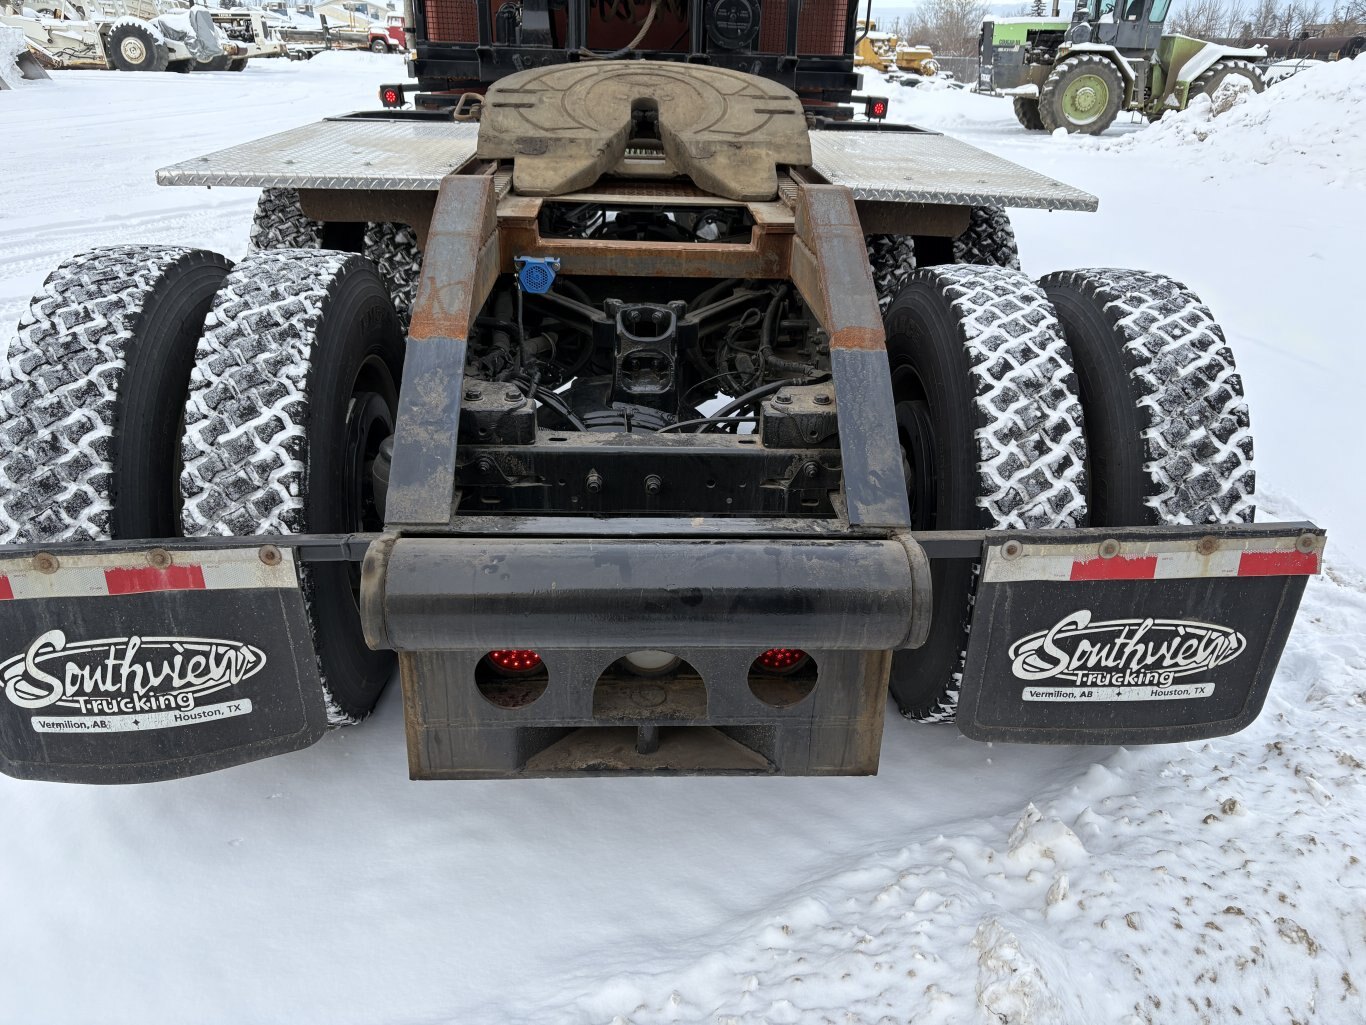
x: 536, y: 273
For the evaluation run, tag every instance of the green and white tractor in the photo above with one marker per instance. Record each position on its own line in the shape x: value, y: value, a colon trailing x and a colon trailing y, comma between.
x: 1079, y: 73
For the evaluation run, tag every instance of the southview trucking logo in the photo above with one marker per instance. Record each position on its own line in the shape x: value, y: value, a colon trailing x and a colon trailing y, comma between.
x: 1123, y: 659
x: 122, y: 684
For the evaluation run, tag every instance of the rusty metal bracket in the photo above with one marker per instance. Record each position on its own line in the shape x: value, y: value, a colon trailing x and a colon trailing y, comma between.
x: 459, y: 269
x: 830, y: 268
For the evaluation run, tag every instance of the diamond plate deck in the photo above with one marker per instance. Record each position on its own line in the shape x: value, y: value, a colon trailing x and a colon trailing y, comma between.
x: 919, y: 167
x: 341, y: 154
x: 908, y: 167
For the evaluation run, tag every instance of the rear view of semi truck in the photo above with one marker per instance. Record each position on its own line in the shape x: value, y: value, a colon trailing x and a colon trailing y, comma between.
x: 643, y: 406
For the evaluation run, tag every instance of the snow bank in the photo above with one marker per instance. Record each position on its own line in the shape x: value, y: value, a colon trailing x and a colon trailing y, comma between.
x: 11, y: 45
x: 1313, y: 120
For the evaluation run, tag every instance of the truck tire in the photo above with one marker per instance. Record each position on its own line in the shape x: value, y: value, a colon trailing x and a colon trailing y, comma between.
x: 988, y: 240
x: 1219, y: 72
x: 992, y: 437
x: 379, y: 46
x: 1027, y: 113
x: 279, y: 223
x: 219, y: 63
x: 238, y: 64
x: 293, y: 389
x: 1166, y: 421
x: 394, y: 251
x: 92, y: 396
x: 1082, y: 94
x: 135, y: 47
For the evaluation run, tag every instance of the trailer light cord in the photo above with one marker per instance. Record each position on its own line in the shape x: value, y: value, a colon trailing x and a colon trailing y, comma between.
x: 709, y: 420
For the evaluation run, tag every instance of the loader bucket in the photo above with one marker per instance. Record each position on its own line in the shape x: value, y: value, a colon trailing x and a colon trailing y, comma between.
x: 29, y: 68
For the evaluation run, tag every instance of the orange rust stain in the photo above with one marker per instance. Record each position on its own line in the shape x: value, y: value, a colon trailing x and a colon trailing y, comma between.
x: 873, y: 338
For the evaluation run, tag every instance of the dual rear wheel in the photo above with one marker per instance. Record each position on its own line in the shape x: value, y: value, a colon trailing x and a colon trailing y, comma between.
x: 155, y: 391
x: 1103, y: 398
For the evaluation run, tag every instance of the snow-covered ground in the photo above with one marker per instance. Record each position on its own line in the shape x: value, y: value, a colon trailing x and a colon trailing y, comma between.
x: 1211, y: 882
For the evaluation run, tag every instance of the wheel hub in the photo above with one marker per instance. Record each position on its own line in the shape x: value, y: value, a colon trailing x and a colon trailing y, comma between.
x: 132, y: 49
x: 1085, y: 99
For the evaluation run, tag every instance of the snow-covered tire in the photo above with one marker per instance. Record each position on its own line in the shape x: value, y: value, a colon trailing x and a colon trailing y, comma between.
x: 294, y: 387
x: 393, y: 249
x: 1027, y: 113
x: 992, y: 437
x: 1167, y: 424
x: 1059, y: 110
x: 891, y: 259
x: 136, y: 46
x: 989, y: 240
x: 279, y: 222
x: 92, y: 396
x: 1208, y: 83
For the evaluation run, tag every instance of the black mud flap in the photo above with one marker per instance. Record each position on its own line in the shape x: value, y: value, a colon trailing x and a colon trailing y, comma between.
x: 1135, y: 636
x: 129, y: 663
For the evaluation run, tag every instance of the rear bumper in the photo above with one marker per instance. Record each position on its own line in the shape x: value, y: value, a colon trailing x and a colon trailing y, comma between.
x: 439, y: 594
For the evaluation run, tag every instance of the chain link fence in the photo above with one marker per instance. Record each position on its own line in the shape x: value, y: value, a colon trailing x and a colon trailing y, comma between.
x: 963, y: 69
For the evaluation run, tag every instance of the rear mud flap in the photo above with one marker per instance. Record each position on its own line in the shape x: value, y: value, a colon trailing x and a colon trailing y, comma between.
x: 1132, y: 636
x: 129, y: 664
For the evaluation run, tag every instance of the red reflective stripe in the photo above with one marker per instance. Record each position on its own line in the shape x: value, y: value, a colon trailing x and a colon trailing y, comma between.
x: 1278, y: 564
x: 138, y: 581
x: 1121, y: 567
x: 6, y: 592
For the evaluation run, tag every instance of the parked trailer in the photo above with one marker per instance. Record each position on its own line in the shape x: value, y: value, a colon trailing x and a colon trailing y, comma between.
x: 657, y: 417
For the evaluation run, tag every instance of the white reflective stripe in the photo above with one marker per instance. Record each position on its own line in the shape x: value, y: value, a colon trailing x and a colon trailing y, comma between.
x: 1223, y: 563
x: 1001, y: 570
x: 86, y: 575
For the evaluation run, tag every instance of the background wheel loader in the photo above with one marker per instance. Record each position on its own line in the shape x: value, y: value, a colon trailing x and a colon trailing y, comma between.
x: 1109, y: 56
x: 643, y: 409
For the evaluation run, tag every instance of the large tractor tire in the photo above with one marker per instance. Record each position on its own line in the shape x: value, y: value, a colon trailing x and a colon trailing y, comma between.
x: 1221, y: 71
x: 991, y: 435
x: 988, y: 240
x: 92, y: 397
x: 134, y: 46
x: 1082, y: 94
x: 1166, y: 421
x: 279, y: 223
x: 219, y: 63
x: 238, y: 64
x: 295, y: 386
x: 1027, y: 113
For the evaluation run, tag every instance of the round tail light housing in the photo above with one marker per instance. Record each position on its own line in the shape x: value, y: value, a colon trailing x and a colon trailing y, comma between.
x: 781, y: 661
x: 514, y: 661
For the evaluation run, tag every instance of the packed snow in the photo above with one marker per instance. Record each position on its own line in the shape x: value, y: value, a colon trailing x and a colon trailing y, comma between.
x: 966, y: 883
x: 1314, y: 122
x: 11, y: 45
